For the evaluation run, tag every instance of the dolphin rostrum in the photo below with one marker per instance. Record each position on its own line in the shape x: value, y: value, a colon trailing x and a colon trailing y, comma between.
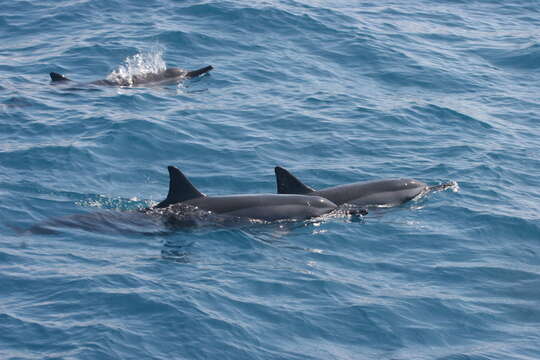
x: 389, y: 192
x: 266, y: 207
x: 169, y: 75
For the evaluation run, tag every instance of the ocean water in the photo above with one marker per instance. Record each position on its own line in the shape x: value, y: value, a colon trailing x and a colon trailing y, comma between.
x: 336, y: 92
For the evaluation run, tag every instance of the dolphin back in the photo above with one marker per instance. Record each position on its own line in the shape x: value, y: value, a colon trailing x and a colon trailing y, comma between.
x: 268, y: 207
x: 389, y: 192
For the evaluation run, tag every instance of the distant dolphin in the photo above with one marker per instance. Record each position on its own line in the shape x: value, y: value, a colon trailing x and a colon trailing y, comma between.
x: 170, y: 75
x: 388, y: 192
x: 267, y: 207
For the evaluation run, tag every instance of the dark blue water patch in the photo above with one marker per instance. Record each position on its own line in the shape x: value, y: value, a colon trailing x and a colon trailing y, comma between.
x: 525, y: 58
x: 197, y: 42
x: 448, y: 38
x: 5, y: 24
x: 16, y: 102
x: 436, y: 16
x: 241, y: 18
x: 450, y: 118
x: 516, y: 8
x: 504, y: 228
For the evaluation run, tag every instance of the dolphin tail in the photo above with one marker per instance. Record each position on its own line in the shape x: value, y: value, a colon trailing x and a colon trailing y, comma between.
x: 287, y: 183
x: 199, y: 72
x: 180, y: 189
x: 58, y: 77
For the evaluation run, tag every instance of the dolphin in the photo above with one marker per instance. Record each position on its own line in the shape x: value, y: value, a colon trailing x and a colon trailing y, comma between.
x: 382, y: 193
x: 185, y: 206
x: 267, y: 207
x: 169, y: 75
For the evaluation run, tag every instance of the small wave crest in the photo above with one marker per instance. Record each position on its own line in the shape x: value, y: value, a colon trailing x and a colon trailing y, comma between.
x: 113, y: 203
x: 142, y: 63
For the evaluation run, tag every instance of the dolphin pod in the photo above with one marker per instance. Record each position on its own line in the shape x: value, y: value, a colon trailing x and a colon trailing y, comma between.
x: 268, y: 207
x: 169, y: 75
x: 185, y: 206
x: 389, y: 192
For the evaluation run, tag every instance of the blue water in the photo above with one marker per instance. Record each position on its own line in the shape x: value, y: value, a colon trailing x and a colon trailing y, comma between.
x: 336, y: 92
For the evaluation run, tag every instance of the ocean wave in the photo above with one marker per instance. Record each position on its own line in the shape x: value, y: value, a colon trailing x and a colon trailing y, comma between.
x: 343, y: 92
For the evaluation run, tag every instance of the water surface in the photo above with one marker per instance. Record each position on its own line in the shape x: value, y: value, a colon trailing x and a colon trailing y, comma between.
x: 336, y: 93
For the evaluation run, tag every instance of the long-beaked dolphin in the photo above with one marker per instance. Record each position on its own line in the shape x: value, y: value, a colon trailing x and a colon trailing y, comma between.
x: 185, y: 206
x: 169, y: 75
x: 388, y: 192
x: 268, y: 207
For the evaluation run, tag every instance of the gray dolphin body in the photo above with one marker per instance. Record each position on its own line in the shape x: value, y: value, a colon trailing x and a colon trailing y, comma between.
x: 388, y: 192
x: 186, y: 207
x: 170, y: 75
x: 268, y: 207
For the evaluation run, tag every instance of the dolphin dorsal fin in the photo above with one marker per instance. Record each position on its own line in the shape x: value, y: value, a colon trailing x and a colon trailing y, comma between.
x: 287, y: 183
x: 58, y: 77
x: 180, y: 189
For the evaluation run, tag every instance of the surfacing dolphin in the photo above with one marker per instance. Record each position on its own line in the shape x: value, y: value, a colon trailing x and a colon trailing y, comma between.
x: 382, y: 193
x: 267, y: 207
x: 167, y: 76
x: 186, y: 207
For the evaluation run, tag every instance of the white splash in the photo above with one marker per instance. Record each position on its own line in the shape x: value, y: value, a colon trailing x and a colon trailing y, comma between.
x: 455, y: 186
x: 139, y: 64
